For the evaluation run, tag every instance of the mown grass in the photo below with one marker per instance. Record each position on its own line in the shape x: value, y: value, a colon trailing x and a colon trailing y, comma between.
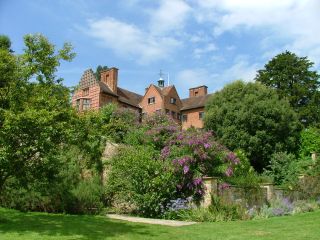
x: 22, y: 226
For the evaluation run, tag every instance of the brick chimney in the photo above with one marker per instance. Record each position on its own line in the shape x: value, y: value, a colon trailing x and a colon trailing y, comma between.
x: 198, y: 91
x: 110, y: 77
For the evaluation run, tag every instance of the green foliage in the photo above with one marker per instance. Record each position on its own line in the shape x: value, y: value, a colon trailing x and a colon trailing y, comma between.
x: 8, y: 73
x: 35, y: 117
x: 293, y: 79
x: 216, y: 212
x: 251, y: 117
x: 139, y: 180
x: 280, y: 207
x: 5, y: 43
x: 310, y: 141
x: 40, y: 60
x: 88, y: 194
x: 99, y: 70
x: 283, y: 168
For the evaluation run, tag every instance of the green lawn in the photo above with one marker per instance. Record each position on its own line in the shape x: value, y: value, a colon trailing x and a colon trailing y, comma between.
x: 16, y: 225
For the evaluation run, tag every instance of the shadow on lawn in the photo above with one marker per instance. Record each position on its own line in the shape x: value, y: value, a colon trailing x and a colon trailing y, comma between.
x: 58, y: 225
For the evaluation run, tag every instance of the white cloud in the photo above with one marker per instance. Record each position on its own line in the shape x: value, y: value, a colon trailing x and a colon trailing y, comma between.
x: 188, y: 78
x: 292, y: 23
x: 171, y: 15
x: 241, y: 69
x: 130, y: 41
x: 199, y: 52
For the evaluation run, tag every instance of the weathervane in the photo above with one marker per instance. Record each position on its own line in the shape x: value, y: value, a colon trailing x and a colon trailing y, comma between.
x: 161, y: 74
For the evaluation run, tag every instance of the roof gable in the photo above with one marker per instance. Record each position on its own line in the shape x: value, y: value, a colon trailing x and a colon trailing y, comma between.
x: 87, y: 79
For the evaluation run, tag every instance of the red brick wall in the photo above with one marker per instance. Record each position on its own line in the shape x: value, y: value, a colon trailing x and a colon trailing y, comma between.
x: 198, y: 91
x: 92, y: 93
x: 110, y: 77
x: 193, y: 118
x: 151, y: 108
x: 172, y: 107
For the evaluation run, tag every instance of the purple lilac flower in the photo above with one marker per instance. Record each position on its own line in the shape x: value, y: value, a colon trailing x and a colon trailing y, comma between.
x: 185, y: 169
x: 233, y: 158
x: 165, y: 152
x: 207, y: 145
x: 223, y: 186
x: 180, y: 137
x: 197, y: 181
x: 229, y: 172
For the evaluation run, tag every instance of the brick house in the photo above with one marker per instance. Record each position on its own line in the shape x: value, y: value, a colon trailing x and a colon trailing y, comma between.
x: 93, y: 94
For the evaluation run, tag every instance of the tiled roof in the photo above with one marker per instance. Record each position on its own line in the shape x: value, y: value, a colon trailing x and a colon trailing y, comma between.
x: 163, y: 91
x: 129, y: 97
x: 104, y: 88
x: 194, y: 102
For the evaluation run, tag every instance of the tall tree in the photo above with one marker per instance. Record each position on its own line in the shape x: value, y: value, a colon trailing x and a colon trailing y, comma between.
x: 5, y: 43
x: 251, y: 117
x: 35, y: 118
x: 293, y: 79
x: 98, y: 71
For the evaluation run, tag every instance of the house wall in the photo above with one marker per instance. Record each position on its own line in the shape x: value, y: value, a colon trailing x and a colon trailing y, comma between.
x: 106, y: 99
x: 193, y: 118
x: 151, y: 108
x: 198, y: 91
x: 172, y: 107
x: 93, y: 94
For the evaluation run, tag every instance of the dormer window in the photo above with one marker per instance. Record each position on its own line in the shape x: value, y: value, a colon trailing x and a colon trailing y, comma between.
x: 151, y: 100
x: 173, y: 100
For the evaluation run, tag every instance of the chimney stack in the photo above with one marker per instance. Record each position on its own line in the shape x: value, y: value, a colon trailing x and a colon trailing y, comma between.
x: 198, y: 91
x: 110, y: 78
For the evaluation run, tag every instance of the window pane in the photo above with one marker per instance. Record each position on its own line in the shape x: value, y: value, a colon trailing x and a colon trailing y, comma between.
x: 86, y: 104
x: 184, y: 117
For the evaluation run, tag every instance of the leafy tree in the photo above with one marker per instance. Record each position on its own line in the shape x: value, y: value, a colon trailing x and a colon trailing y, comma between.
x: 36, y: 117
x: 293, y: 79
x: 5, y: 43
x: 310, y: 141
x: 251, y: 117
x: 40, y: 60
x: 99, y: 70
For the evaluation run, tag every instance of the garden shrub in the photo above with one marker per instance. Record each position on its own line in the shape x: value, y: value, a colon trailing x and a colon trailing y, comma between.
x: 283, y: 206
x: 88, y: 196
x: 139, y: 178
x: 195, y: 154
x: 309, y: 141
x: 170, y: 166
x: 216, y: 212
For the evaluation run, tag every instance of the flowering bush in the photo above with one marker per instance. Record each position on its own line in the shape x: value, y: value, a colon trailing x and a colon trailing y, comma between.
x: 195, y: 154
x: 170, y: 165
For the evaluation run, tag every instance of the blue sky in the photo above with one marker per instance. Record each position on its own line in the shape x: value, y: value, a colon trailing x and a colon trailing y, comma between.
x: 204, y: 42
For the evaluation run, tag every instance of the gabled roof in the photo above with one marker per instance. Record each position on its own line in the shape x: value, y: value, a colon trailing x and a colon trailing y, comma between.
x: 163, y: 91
x: 194, y: 102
